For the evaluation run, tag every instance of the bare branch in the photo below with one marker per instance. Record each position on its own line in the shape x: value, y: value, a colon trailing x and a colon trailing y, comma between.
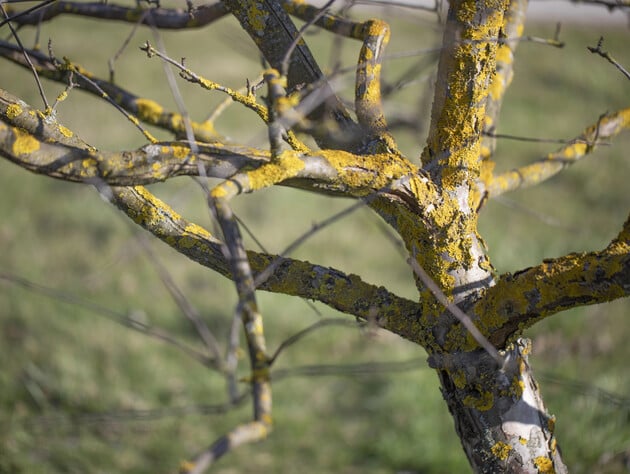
x: 243, y: 434
x: 159, y: 17
x: 273, y: 37
x: 26, y: 12
x: 185, y: 306
x: 606, y: 55
x: 310, y: 329
x: 610, y: 4
x: 346, y: 293
x: 521, y: 299
x: 25, y: 55
x: 146, y: 110
x: 462, y: 87
x: 115, y: 316
x: 606, y: 127
x: 509, y: 40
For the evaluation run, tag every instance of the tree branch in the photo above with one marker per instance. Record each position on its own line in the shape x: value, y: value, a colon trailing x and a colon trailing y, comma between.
x: 243, y: 434
x: 509, y: 39
x: 467, y: 64
x: 521, y: 299
x: 607, y: 126
x: 346, y: 293
x: 146, y: 110
x: 36, y: 142
x: 607, y: 56
x: 273, y: 32
x: 163, y: 18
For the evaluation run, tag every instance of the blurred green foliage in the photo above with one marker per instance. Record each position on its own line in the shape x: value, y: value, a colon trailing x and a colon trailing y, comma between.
x: 80, y: 393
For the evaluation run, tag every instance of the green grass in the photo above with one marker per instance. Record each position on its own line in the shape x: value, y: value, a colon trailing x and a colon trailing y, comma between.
x: 68, y: 377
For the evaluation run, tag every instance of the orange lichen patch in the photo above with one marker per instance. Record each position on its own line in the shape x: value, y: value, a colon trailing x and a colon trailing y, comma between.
x: 13, y: 110
x: 62, y: 96
x: 501, y: 450
x: 24, y: 143
x: 551, y: 423
x: 517, y: 387
x: 544, y: 465
x: 375, y: 35
x: 496, y: 89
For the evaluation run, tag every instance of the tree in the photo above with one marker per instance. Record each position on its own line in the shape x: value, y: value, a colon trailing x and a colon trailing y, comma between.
x: 467, y: 317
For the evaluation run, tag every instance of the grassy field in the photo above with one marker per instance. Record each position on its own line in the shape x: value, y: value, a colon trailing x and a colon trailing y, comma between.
x: 80, y: 393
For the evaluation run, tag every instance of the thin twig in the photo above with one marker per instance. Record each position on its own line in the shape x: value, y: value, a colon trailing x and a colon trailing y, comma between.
x: 128, y: 416
x: 391, y: 3
x: 113, y: 59
x: 345, y: 370
x: 541, y: 140
x: 186, y: 307
x: 107, y: 313
x: 308, y: 330
x: 26, y: 57
x: 268, y: 271
x: 284, y: 68
x: 25, y: 12
x: 606, y: 55
x: 69, y: 66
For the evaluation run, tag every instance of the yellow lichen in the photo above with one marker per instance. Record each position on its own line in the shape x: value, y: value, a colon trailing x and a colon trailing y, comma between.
x: 286, y: 165
x: 504, y: 54
x: 574, y: 151
x: 153, y: 210
x: 544, y: 465
x: 501, y: 450
x: 88, y: 163
x: 186, y: 466
x: 551, y: 423
x: 24, y: 142
x: 257, y: 18
x: 66, y: 132
x: 13, y: 110
x: 186, y: 242
x: 194, y: 229
x: 483, y: 402
x: 459, y: 378
x: 180, y: 152
x: 149, y: 110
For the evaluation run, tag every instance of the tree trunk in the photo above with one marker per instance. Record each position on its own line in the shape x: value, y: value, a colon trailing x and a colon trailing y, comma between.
x: 499, y: 413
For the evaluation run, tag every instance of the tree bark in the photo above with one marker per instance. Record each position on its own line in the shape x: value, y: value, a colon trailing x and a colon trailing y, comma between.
x: 498, y: 412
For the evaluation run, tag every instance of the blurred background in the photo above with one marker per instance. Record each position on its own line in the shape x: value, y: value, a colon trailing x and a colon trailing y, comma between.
x: 81, y: 393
